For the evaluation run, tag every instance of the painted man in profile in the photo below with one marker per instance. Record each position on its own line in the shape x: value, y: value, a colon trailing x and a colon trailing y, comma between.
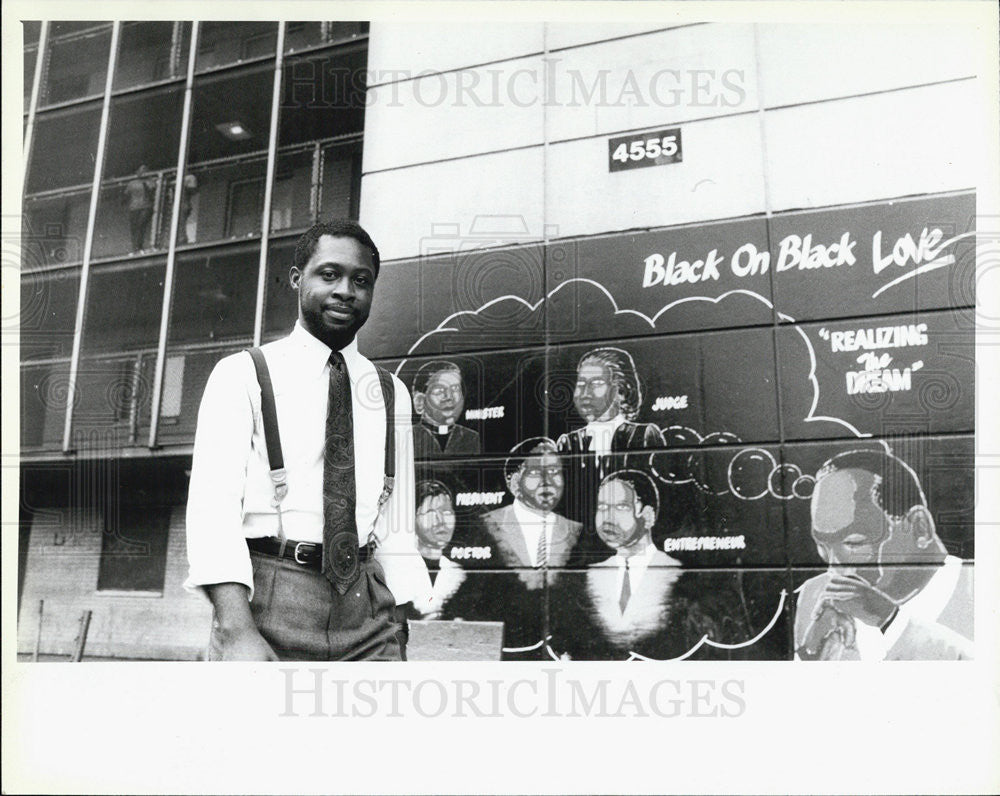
x: 892, y: 591
x: 439, y: 398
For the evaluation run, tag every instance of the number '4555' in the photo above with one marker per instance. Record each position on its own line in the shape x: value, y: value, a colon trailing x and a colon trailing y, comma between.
x: 650, y: 149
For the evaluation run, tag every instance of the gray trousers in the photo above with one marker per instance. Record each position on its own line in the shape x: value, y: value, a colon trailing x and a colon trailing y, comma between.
x: 303, y: 617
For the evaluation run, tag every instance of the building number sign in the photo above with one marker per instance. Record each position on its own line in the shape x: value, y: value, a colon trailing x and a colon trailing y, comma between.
x: 639, y: 150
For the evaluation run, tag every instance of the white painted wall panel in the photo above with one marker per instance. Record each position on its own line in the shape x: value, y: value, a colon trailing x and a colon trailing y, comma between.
x: 403, y: 208
x: 721, y: 176
x: 416, y: 47
x: 907, y: 142
x: 662, y: 78
x: 804, y: 63
x: 455, y: 114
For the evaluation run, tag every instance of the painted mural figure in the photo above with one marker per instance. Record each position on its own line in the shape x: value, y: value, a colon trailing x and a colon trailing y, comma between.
x: 439, y: 398
x: 639, y: 600
x: 892, y: 591
x: 435, y: 526
x: 630, y: 590
x: 528, y: 533
x: 607, y: 395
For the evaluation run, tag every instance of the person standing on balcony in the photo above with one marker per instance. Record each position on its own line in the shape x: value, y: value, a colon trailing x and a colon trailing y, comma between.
x: 138, y: 200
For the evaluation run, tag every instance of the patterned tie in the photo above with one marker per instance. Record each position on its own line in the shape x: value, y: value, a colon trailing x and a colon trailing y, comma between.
x: 542, y: 554
x: 340, y: 529
x: 626, y: 590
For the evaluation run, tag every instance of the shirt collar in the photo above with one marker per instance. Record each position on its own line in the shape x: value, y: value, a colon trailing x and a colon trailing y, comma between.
x: 528, y: 516
x: 316, y: 353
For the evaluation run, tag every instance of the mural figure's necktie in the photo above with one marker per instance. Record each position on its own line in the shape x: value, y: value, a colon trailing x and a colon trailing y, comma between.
x: 340, y: 529
x: 542, y: 554
x: 626, y: 590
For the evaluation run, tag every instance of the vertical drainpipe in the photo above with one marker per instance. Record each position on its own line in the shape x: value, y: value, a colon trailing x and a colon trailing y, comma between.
x: 88, y: 241
x: 168, y: 277
x: 265, y: 225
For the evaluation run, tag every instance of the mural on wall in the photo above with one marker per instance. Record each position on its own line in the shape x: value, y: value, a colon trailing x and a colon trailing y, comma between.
x: 656, y: 496
x: 892, y: 590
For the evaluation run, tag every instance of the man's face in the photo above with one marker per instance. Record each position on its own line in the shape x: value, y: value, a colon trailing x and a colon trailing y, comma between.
x: 849, y: 529
x: 619, y: 522
x: 539, y: 482
x: 595, y: 395
x: 445, y: 399
x: 335, y: 289
x: 436, y: 521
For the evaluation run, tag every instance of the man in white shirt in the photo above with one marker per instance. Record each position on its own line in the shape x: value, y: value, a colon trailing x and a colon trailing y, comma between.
x: 892, y: 592
x: 528, y: 534
x: 276, y: 602
x: 630, y: 592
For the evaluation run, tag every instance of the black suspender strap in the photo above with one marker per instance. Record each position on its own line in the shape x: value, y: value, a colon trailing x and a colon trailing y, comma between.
x: 270, y: 417
x: 389, y: 399
x: 272, y: 438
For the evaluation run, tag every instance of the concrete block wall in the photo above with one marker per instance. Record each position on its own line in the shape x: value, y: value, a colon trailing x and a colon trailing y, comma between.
x: 62, y: 569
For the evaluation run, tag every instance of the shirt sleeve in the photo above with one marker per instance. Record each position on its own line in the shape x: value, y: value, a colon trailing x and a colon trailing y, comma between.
x: 216, y: 545
x: 405, y: 572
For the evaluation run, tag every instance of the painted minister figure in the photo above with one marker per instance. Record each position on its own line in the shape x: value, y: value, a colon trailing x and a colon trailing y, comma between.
x: 439, y: 398
x: 639, y: 600
x: 528, y: 534
x: 892, y: 591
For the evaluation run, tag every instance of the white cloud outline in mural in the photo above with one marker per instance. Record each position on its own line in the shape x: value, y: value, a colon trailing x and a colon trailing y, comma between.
x: 814, y: 382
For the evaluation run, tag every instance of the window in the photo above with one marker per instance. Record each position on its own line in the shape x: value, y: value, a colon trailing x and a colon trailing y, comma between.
x: 134, y: 548
x: 77, y: 62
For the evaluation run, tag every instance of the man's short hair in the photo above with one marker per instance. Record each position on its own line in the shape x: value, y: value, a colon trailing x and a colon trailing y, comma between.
x: 642, y: 485
x: 896, y: 489
x: 431, y: 488
x: 338, y: 228
x: 520, y: 453
x: 623, y: 374
x: 429, y: 370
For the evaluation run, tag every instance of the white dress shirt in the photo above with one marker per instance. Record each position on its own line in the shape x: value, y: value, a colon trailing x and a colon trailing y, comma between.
x: 601, y: 433
x: 231, y: 493
x: 532, y: 526
x: 925, y: 606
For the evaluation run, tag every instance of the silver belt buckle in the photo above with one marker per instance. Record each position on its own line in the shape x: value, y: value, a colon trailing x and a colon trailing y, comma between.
x: 298, y: 547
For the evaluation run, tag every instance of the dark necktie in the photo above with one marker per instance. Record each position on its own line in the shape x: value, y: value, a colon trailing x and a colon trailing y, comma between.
x: 626, y: 590
x: 340, y: 529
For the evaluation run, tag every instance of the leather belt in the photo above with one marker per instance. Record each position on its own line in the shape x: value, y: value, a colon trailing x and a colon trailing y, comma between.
x: 306, y: 554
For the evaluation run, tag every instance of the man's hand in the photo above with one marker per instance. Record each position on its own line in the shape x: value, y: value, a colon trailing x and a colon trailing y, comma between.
x: 241, y: 641
x: 854, y: 596
x: 245, y: 644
